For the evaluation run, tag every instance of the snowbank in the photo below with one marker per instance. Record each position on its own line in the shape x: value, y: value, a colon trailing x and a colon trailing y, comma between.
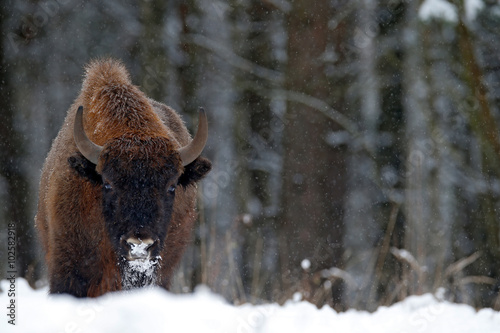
x: 158, y: 311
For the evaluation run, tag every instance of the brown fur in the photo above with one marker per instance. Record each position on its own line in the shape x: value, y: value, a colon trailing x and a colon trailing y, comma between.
x: 69, y: 219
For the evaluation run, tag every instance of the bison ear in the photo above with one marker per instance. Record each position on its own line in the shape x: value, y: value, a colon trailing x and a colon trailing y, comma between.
x: 84, y: 168
x: 195, y: 171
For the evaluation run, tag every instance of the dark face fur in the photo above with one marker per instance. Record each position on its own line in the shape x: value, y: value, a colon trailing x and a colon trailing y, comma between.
x: 138, y: 179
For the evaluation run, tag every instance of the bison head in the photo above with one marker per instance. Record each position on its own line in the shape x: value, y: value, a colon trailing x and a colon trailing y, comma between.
x: 138, y: 176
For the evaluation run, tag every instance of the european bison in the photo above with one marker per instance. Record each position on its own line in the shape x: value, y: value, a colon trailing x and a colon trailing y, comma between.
x: 118, y: 188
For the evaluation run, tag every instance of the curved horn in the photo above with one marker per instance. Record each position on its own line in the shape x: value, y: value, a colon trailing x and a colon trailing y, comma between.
x: 190, y: 152
x: 90, y: 150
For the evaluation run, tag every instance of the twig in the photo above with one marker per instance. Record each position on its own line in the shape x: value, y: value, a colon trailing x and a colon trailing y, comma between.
x: 459, y: 265
x: 406, y: 256
x: 387, y: 239
x: 384, y: 249
x: 234, y: 271
x: 256, y: 268
x: 233, y: 59
x: 319, y: 105
x: 477, y: 279
x: 337, y: 273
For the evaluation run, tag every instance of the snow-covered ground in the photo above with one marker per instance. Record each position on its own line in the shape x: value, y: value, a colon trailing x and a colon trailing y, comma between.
x: 155, y: 310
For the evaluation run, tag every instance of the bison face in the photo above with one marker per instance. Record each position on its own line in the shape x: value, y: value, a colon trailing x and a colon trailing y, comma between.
x: 139, y: 179
x: 138, y: 176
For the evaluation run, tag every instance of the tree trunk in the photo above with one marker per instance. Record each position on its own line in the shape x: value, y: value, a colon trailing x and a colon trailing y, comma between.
x: 417, y: 200
x: 258, y: 141
x: 221, y: 269
x: 313, y: 172
x: 361, y: 228
x: 154, y: 61
x: 429, y: 175
x: 14, y: 185
x: 486, y: 231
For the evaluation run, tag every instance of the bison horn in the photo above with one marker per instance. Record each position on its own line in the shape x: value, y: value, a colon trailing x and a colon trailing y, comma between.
x: 190, y: 152
x: 90, y: 150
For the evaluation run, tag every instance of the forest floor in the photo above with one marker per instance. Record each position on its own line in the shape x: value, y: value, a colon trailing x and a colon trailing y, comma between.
x: 155, y: 310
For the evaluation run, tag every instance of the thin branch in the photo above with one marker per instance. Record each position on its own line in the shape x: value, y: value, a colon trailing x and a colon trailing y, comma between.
x: 405, y: 256
x: 235, y: 60
x: 337, y: 273
x: 477, y: 280
x: 384, y: 249
x: 459, y: 265
x: 319, y: 105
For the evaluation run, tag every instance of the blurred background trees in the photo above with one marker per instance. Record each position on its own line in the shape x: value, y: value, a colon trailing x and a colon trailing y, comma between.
x: 355, y: 144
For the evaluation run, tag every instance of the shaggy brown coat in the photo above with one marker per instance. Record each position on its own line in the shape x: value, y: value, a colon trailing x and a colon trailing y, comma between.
x: 70, y: 219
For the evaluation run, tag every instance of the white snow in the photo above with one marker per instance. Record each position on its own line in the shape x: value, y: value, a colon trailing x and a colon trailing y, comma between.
x: 445, y: 10
x: 155, y: 310
x: 140, y: 249
x: 143, y: 265
x: 438, y: 9
x: 140, y: 272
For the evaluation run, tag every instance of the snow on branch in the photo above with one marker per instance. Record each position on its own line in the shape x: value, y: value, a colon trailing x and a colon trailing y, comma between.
x: 447, y: 11
x: 438, y: 9
x: 405, y: 256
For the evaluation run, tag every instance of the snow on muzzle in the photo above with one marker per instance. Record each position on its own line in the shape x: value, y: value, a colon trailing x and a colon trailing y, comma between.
x: 141, y: 265
x: 139, y: 248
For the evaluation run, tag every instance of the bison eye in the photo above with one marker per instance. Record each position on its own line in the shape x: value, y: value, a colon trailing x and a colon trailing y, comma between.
x: 107, y: 186
x: 171, y: 189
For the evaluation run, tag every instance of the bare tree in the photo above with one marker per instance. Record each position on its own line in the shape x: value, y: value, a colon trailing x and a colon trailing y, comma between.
x: 14, y: 182
x: 314, y: 172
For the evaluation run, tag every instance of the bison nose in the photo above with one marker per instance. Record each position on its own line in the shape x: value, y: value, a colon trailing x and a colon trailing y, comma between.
x: 139, y: 248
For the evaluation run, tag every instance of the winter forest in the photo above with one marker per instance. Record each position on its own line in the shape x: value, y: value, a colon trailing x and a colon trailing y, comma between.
x: 355, y: 144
